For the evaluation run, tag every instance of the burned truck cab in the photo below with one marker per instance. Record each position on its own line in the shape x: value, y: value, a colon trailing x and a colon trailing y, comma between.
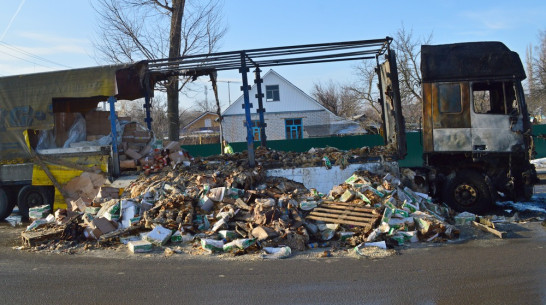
x: 476, y: 130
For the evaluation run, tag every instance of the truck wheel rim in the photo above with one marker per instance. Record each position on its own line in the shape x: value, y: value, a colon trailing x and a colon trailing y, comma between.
x: 466, y: 194
x: 34, y: 199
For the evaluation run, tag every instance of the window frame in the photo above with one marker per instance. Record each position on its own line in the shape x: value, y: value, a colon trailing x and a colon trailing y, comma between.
x: 269, y: 90
x: 460, y: 108
x: 503, y: 88
x: 256, y: 130
x: 294, y: 126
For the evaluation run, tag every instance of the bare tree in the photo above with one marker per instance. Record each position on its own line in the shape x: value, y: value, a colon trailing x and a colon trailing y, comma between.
x: 536, y: 76
x: 132, y: 30
x: 340, y: 100
x: 367, y: 93
x: 408, y: 52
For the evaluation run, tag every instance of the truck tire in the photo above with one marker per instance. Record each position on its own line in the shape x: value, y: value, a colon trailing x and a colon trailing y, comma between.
x: 31, y: 196
x: 5, y: 206
x: 467, y: 191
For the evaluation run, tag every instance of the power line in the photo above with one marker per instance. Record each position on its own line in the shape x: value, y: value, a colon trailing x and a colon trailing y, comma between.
x: 7, y: 45
x: 21, y: 58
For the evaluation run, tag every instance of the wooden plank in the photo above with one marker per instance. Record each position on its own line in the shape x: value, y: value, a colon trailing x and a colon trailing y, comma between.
x: 342, y: 212
x: 500, y: 234
x: 343, y: 216
x: 329, y: 202
x: 352, y: 208
x: 337, y: 210
x: 355, y: 210
x: 345, y: 222
x: 33, y: 238
x: 108, y: 236
x: 487, y: 222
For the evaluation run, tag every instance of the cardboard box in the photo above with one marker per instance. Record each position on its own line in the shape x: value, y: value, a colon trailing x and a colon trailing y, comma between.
x: 127, y: 164
x: 130, y: 127
x: 205, y: 203
x: 178, y: 157
x: 92, y: 210
x: 142, y: 136
x: 139, y: 246
x: 159, y: 236
x: 103, y: 224
x: 146, y: 161
x: 91, y: 233
x: 108, y: 192
x: 39, y: 212
x: 78, y: 205
x: 133, y: 154
x: 97, y: 123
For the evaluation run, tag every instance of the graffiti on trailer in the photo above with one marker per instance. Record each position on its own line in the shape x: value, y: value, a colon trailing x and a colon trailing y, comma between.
x: 20, y: 116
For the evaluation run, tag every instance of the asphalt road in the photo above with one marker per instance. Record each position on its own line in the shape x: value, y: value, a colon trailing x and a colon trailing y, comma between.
x: 477, y: 269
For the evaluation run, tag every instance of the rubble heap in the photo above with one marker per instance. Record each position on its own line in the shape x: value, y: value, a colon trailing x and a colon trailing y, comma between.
x: 269, y: 158
x: 220, y: 206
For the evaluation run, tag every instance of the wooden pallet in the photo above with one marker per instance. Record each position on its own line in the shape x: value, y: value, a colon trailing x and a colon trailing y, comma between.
x: 33, y: 238
x: 345, y: 213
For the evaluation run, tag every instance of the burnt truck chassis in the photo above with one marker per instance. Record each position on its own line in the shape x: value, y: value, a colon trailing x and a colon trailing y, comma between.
x: 456, y: 178
x: 471, y: 174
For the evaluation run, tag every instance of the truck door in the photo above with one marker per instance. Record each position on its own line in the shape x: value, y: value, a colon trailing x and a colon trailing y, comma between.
x: 497, y: 122
x: 450, y: 108
x: 393, y: 129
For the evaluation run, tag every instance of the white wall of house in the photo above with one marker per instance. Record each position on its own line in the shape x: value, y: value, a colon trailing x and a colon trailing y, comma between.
x: 293, y: 104
x: 291, y: 98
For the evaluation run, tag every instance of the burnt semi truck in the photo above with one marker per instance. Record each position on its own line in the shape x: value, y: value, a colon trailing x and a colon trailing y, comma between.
x: 477, y: 141
x: 476, y: 132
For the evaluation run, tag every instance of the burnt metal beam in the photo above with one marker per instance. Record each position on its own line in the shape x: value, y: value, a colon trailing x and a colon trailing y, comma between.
x: 260, y: 96
x: 246, y: 96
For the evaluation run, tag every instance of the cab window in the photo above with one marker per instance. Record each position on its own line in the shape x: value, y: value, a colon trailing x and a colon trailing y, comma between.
x: 494, y: 98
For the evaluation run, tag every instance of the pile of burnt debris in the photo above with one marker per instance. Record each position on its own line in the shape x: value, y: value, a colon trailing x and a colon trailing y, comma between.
x: 219, y: 205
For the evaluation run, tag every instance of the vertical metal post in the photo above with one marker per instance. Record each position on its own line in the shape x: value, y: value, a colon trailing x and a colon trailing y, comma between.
x: 260, y: 96
x: 245, y: 88
x: 114, y: 151
x: 147, y: 104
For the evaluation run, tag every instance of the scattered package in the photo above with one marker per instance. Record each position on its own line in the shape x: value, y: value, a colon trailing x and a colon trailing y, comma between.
x: 220, y: 206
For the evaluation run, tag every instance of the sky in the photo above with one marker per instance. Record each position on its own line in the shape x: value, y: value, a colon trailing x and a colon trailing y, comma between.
x: 38, y: 35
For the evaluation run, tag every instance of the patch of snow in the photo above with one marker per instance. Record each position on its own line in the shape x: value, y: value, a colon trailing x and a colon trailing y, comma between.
x: 539, y: 163
x: 538, y: 204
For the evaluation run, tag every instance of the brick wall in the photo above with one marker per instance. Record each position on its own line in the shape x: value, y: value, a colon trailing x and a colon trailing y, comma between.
x: 235, y: 131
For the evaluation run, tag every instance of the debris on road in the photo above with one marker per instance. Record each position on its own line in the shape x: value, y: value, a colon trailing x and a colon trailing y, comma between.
x: 489, y: 227
x: 220, y: 206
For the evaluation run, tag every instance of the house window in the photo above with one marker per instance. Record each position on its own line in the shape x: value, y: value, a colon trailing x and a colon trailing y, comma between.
x: 294, y: 129
x: 256, y: 130
x: 208, y: 123
x: 272, y: 93
x: 449, y: 96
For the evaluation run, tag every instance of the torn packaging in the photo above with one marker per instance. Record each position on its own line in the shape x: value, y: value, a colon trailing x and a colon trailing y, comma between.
x: 264, y: 233
x: 78, y: 205
x: 108, y: 192
x: 97, y: 227
x: 178, y: 157
x: 216, y: 194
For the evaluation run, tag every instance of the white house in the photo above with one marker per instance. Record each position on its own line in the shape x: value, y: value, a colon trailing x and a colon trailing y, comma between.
x: 289, y: 114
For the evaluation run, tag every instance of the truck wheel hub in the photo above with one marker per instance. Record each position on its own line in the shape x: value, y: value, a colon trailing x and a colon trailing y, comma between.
x: 34, y: 199
x: 466, y: 194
